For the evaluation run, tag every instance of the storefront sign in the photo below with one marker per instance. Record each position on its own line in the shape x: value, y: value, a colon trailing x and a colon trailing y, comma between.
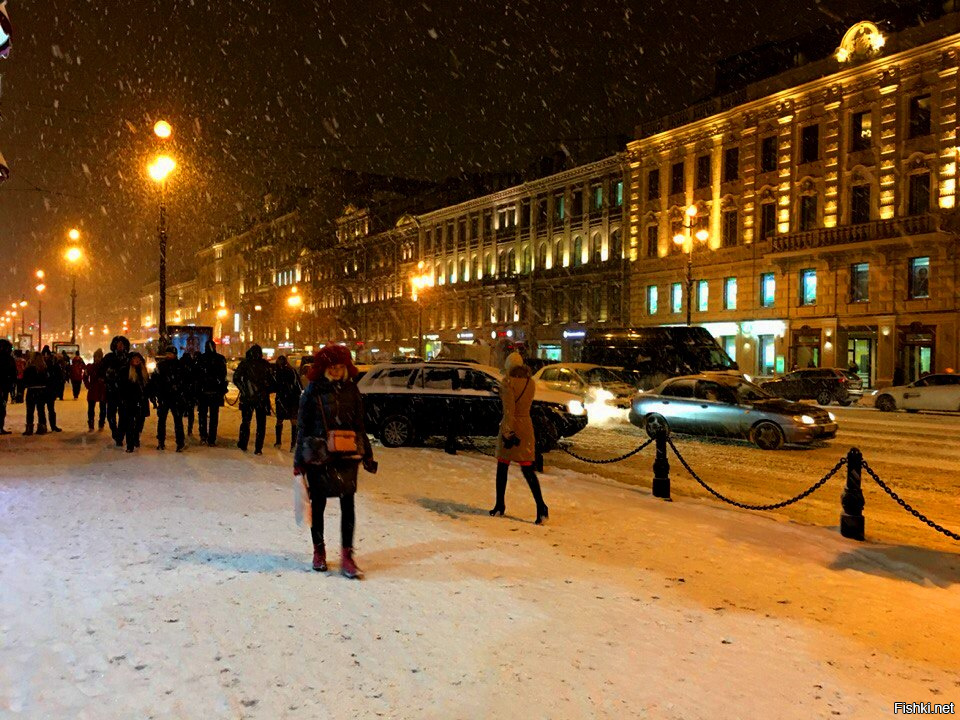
x: 465, y: 336
x: 574, y: 334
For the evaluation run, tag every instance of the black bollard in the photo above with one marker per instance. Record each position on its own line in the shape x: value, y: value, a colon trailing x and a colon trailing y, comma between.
x: 851, y: 520
x: 661, y: 467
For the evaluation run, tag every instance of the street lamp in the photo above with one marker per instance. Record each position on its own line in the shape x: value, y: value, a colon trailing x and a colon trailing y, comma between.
x: 159, y: 170
x: 23, y: 316
x: 420, y: 283
x: 680, y: 238
x: 73, y: 255
x: 40, y: 288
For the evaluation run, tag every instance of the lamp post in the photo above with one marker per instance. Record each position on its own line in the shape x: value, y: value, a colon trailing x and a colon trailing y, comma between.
x: 158, y: 170
x: 40, y: 288
x: 420, y: 282
x: 295, y: 303
x: 680, y: 238
x: 73, y: 255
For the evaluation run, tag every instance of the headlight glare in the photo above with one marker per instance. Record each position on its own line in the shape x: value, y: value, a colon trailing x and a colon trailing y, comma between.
x: 575, y: 407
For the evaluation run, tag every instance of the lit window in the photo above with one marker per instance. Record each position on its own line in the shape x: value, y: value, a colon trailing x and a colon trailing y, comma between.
x: 768, y: 290
x: 919, y: 277
x: 808, y: 287
x: 652, y: 299
x: 676, y: 298
x: 703, y: 295
x: 730, y: 293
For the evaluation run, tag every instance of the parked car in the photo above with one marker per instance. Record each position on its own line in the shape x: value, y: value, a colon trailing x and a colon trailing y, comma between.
x: 407, y: 402
x: 585, y: 380
x: 939, y: 392
x: 721, y: 405
x: 821, y: 384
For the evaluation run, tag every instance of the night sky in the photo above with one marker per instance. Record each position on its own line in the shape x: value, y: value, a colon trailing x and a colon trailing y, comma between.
x: 263, y: 93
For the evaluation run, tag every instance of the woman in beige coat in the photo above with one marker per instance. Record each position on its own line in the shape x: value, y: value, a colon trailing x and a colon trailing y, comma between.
x: 516, y: 441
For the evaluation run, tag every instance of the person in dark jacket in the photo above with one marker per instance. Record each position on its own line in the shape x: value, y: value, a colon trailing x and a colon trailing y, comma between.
x: 21, y: 360
x: 254, y: 379
x: 77, y: 366
x: 332, y: 402
x: 64, y: 360
x: 133, y: 405
x: 55, y: 383
x: 115, y: 365
x: 190, y: 369
x: 35, y: 385
x: 211, y: 388
x: 96, y: 390
x: 8, y: 380
x: 288, y: 386
x: 167, y: 390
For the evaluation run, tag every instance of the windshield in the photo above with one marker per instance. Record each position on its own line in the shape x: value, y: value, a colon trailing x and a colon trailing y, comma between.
x: 601, y: 376
x: 709, y: 357
x: 747, y: 392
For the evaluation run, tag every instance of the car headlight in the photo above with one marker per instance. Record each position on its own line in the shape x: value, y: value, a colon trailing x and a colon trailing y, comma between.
x: 575, y: 407
x: 748, y: 378
x: 833, y: 418
x: 805, y: 419
x: 151, y: 365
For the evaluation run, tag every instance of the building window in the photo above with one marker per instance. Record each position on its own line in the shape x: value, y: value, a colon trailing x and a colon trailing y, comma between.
x: 703, y: 171
x: 731, y: 164
x: 676, y: 298
x: 618, y: 193
x: 859, y: 204
x: 596, y: 202
x: 525, y: 214
x: 596, y: 249
x: 808, y: 287
x: 768, y: 154
x: 558, y: 208
x: 577, y: 259
x: 558, y: 253
x: 652, y: 298
x: 613, y: 303
x: 768, y: 290
x: 919, y: 277
x: 576, y: 204
x: 730, y: 293
x: 808, y: 212
x: 676, y: 178
x: 729, y: 228
x: 703, y: 295
x: 541, y: 256
x: 810, y: 144
x: 768, y: 220
x: 920, y: 116
x: 653, y: 184
x: 859, y: 282
x: 861, y: 130
x: 918, y: 196
x: 653, y: 241
x: 527, y: 259
x: 616, y: 246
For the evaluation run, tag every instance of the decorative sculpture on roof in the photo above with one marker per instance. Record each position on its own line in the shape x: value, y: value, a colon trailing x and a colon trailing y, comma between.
x: 862, y: 42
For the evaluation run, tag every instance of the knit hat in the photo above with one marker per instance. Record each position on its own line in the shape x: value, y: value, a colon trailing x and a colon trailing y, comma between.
x: 513, y: 360
x: 331, y: 355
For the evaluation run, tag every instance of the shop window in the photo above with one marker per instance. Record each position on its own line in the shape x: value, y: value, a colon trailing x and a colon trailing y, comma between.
x: 768, y: 290
x: 703, y: 295
x: 808, y: 287
x: 676, y: 298
x: 730, y: 293
x: 919, y: 278
x: 767, y: 360
x: 859, y: 282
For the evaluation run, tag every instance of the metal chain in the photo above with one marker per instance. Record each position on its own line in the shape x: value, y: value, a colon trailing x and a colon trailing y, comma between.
x: 607, y: 461
x: 906, y: 506
x: 775, y: 506
x: 469, y: 441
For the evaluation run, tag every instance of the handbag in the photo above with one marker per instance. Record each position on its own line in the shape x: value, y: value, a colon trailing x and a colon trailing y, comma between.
x: 339, y: 442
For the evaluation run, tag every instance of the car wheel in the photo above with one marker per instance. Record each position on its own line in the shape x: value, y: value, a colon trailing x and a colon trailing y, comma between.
x: 654, y: 422
x: 397, y: 431
x: 768, y: 436
x: 885, y: 403
x: 824, y: 398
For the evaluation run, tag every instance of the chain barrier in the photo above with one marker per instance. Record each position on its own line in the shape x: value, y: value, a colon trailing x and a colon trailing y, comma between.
x: 469, y: 441
x: 775, y: 506
x: 906, y: 506
x: 633, y: 452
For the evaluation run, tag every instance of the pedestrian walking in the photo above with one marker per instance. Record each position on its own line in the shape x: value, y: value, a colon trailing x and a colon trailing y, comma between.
x: 56, y: 380
x: 167, y: 390
x: 287, y: 382
x: 211, y: 387
x: 96, y: 385
x: 332, y: 445
x: 190, y: 370
x: 77, y: 366
x: 254, y: 379
x: 115, y: 366
x: 63, y: 360
x: 8, y: 380
x: 133, y: 406
x: 516, y: 441
x: 35, y: 384
x: 20, y: 358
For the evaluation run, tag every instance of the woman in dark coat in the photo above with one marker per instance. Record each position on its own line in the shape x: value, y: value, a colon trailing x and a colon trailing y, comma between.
x: 332, y: 401
x: 77, y: 366
x: 134, y: 405
x: 56, y: 379
x: 96, y: 385
x: 288, y: 398
x: 516, y: 441
x: 35, y: 383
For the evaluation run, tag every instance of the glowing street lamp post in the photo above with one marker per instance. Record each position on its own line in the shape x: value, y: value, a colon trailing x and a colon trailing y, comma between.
x: 73, y: 256
x: 40, y: 288
x: 680, y: 238
x: 158, y: 170
x: 420, y: 283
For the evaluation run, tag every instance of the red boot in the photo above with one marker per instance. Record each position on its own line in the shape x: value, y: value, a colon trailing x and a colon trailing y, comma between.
x: 348, y: 568
x: 319, y: 558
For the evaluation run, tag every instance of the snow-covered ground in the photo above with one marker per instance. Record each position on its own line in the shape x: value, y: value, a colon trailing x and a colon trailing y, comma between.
x: 158, y: 585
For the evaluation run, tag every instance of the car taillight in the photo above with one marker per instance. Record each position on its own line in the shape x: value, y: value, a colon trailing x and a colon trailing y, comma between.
x: 844, y: 379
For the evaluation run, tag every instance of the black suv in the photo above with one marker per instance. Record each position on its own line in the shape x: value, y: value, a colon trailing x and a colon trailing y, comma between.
x: 821, y: 384
x: 407, y: 402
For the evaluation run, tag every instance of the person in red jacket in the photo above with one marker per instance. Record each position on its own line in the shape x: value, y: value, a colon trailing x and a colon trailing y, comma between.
x: 96, y: 384
x: 76, y: 374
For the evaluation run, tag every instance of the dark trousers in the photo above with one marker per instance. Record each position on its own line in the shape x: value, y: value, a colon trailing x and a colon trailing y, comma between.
x: 293, y: 431
x: 130, y: 424
x: 162, y: 411
x: 348, y: 515
x: 113, y: 410
x: 189, y: 414
x: 208, y: 432
x: 76, y: 388
x: 91, y: 411
x: 3, y: 409
x: 246, y: 414
x: 51, y: 403
x: 529, y: 474
x: 36, y: 402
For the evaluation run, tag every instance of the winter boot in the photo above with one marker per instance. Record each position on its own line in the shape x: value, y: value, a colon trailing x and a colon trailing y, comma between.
x: 348, y: 568
x: 28, y: 431
x: 499, y: 508
x: 41, y: 429
x: 543, y: 512
x: 319, y: 558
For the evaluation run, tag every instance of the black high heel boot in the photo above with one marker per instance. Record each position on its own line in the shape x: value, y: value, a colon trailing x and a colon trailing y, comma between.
x: 530, y: 475
x: 499, y: 508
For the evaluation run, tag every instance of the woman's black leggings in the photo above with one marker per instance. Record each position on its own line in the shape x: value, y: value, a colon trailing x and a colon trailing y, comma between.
x: 348, y: 518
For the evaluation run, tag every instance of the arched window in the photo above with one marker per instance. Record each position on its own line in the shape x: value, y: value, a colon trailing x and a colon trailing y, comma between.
x: 596, y: 248
x: 474, y: 268
x: 616, y: 246
x: 542, y: 256
x: 502, y: 263
x: 438, y: 273
x: 462, y: 271
x: 559, y: 250
x: 577, y: 259
x: 488, y: 265
x: 511, y: 261
x: 527, y: 259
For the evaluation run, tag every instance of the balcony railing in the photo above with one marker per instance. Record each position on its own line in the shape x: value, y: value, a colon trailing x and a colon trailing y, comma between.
x: 863, y: 232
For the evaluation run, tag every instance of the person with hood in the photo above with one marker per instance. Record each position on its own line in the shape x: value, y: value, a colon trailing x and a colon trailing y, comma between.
x: 254, y: 379
x: 35, y: 384
x: 167, y: 390
x: 114, y: 372
x: 332, y: 403
x: 516, y: 441
x: 190, y: 369
x: 8, y: 380
x: 77, y: 366
x: 133, y: 404
x: 288, y: 386
x: 211, y: 387
x: 96, y: 386
x: 55, y: 383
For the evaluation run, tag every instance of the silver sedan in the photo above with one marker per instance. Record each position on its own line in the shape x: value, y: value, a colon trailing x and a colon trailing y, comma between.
x: 724, y: 406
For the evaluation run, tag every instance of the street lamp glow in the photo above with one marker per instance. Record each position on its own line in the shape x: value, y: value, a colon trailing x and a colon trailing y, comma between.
x: 222, y: 313
x: 41, y: 287
x: 162, y: 129
x: 74, y: 234
x: 40, y: 274
x: 702, y: 235
x: 73, y: 254
x: 691, y: 211
x: 161, y: 167
x: 679, y: 239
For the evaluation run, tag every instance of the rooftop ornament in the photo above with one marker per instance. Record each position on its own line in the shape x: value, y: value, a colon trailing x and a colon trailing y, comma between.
x: 862, y: 42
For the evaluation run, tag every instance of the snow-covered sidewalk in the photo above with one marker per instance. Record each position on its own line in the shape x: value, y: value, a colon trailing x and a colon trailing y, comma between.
x: 177, y: 586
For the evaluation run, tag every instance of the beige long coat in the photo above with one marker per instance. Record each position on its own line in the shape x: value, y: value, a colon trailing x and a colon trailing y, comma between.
x: 516, y: 394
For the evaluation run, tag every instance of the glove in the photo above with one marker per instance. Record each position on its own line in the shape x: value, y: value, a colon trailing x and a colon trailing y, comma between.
x: 370, y: 465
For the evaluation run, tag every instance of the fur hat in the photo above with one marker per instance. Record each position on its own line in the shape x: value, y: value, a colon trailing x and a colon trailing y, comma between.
x: 514, y: 360
x: 331, y: 355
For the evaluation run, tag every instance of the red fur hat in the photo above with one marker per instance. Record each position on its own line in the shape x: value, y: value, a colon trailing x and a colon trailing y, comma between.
x: 331, y: 355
